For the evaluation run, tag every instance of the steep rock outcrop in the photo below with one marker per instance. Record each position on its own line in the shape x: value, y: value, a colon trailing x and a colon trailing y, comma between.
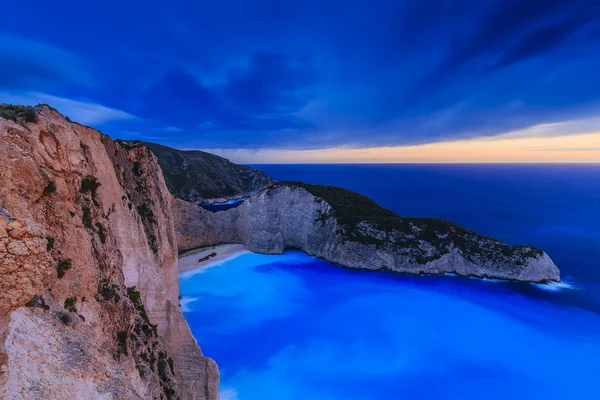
x: 197, y: 176
x: 88, y: 267
x: 349, y: 229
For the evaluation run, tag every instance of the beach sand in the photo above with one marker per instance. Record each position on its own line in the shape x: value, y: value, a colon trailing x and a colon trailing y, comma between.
x: 190, y: 260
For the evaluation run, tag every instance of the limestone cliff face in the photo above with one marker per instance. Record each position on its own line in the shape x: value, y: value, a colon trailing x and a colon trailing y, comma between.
x: 88, y: 270
x: 290, y: 216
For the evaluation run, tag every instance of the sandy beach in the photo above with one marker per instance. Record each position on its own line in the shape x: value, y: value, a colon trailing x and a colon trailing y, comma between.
x: 209, y: 256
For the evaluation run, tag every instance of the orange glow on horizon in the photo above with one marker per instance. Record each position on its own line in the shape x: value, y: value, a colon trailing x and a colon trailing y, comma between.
x: 579, y: 148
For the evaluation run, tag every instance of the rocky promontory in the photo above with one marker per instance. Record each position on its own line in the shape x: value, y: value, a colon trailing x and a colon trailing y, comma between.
x: 200, y: 177
x: 351, y: 230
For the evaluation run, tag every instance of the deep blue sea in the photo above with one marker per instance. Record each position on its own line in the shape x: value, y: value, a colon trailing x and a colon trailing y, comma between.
x: 295, y: 327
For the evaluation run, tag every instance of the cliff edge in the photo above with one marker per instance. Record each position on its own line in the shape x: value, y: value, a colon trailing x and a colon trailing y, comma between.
x: 88, y: 266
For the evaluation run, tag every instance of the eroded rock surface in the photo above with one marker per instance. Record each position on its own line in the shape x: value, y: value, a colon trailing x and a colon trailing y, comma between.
x: 88, y: 268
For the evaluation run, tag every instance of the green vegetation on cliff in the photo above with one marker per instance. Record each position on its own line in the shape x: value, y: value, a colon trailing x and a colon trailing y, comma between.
x: 16, y: 112
x: 363, y: 220
x: 194, y: 175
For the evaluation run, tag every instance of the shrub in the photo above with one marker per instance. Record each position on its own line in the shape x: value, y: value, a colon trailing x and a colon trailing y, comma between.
x: 145, y: 212
x: 89, y: 184
x: 29, y: 115
x: 50, y: 188
x: 101, y: 232
x: 63, y: 265
x: 137, y: 169
x: 86, y: 218
x: 133, y: 295
x: 70, y: 304
x: 162, y: 369
x: 122, y: 342
x: 171, y: 367
x: 169, y: 392
x: 108, y: 291
x: 129, y: 144
x: 31, y: 303
x: 50, y: 243
x: 13, y: 113
x: 64, y: 317
x: 122, y: 338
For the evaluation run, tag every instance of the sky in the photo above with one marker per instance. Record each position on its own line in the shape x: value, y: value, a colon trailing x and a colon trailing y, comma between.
x: 318, y: 81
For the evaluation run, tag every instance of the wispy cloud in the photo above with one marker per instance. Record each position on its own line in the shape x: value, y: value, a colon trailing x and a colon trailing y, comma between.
x: 570, y: 149
x: 81, y: 111
x: 570, y: 127
x: 32, y: 64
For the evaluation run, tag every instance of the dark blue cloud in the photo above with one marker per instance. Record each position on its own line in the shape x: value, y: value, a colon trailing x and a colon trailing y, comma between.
x: 271, y: 83
x: 310, y: 74
x: 258, y: 97
x: 28, y: 64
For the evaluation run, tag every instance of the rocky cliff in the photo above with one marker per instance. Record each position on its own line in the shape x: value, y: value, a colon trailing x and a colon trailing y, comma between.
x: 349, y: 229
x: 197, y: 176
x: 88, y: 267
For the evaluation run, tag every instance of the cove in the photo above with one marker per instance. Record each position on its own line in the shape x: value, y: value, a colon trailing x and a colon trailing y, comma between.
x: 295, y: 327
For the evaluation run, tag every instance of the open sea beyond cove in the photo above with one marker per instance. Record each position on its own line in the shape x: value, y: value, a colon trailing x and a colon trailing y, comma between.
x: 296, y: 327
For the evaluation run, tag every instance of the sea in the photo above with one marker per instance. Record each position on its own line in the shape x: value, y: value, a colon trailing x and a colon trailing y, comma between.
x: 296, y: 327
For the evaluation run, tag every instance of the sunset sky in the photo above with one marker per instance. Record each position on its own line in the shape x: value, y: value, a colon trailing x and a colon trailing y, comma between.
x: 319, y: 81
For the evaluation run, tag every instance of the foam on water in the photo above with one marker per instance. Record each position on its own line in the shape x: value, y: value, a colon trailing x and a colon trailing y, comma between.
x: 185, y: 302
x: 556, y: 286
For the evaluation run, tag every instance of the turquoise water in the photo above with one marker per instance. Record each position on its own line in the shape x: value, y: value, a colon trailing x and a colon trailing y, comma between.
x: 295, y: 327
